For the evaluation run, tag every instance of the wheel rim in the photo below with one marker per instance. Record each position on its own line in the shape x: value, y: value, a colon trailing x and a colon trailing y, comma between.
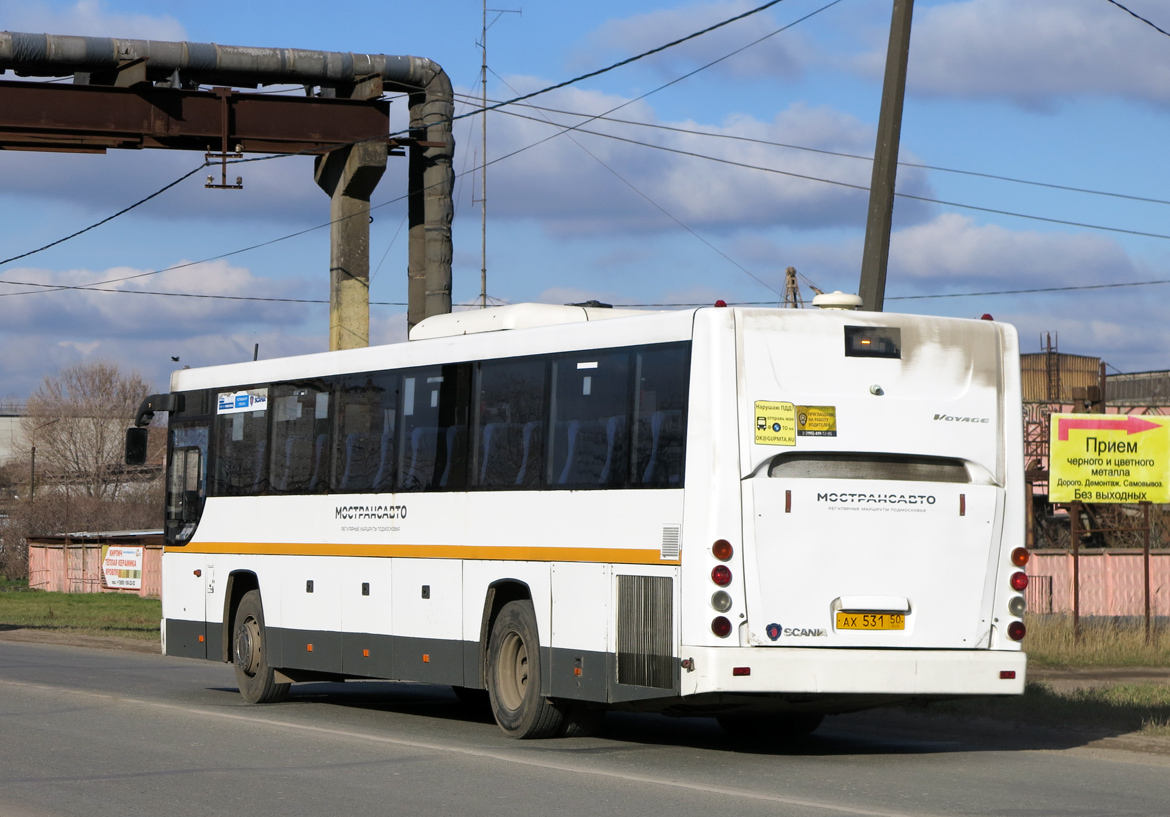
x: 248, y: 646
x: 513, y: 672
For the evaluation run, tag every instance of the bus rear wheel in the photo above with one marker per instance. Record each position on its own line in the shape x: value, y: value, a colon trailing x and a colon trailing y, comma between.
x: 256, y: 679
x: 514, y: 676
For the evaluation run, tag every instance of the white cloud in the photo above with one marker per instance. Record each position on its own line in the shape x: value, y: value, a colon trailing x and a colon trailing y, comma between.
x: 1033, y: 51
x: 952, y: 249
x: 87, y: 18
x: 41, y: 332
x: 564, y: 183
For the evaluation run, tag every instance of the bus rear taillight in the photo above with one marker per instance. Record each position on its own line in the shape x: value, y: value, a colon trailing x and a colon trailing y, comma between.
x: 722, y: 627
x: 721, y: 575
x: 1016, y: 631
x: 1020, y: 557
x: 1018, y: 581
x: 722, y: 550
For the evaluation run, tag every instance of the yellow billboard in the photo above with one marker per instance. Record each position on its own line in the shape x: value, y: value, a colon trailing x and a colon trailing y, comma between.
x: 1109, y: 458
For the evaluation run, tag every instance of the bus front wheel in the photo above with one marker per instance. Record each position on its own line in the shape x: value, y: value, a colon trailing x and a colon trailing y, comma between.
x: 257, y: 680
x: 514, y: 675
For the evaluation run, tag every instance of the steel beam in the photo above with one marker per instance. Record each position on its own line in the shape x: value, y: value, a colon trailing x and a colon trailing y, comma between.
x: 92, y: 118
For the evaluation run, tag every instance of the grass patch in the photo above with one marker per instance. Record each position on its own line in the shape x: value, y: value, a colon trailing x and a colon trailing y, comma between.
x: 7, y: 584
x: 1113, y: 708
x: 108, y: 614
x: 1105, y: 642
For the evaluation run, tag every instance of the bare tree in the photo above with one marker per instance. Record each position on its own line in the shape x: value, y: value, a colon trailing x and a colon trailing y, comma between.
x: 77, y: 419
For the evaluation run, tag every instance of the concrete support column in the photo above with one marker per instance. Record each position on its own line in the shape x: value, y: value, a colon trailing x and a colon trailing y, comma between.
x: 431, y: 182
x: 349, y: 175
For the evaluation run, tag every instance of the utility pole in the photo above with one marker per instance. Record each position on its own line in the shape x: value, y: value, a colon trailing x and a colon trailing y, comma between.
x: 885, y: 161
x: 792, y: 297
x: 483, y: 167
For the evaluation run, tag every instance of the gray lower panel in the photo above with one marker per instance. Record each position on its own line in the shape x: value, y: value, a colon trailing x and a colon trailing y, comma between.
x: 367, y: 655
x: 318, y: 650
x: 215, y: 642
x: 186, y: 639
x: 580, y: 675
x: 428, y: 660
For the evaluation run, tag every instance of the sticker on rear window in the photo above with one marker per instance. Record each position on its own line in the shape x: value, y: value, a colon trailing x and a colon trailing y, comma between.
x: 816, y: 421
x: 775, y: 423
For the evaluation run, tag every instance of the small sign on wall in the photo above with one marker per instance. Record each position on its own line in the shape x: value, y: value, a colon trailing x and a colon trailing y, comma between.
x: 122, y: 566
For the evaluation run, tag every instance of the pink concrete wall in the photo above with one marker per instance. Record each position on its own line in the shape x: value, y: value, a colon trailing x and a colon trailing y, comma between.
x: 1112, y: 582
x: 77, y: 568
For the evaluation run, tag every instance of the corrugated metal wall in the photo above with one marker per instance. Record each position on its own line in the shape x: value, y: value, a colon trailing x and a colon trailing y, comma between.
x: 1073, y: 371
x: 1112, y: 582
x: 76, y: 567
x: 1139, y: 389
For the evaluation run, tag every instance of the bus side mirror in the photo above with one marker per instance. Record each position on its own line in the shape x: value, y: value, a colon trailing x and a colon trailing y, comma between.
x: 136, y: 445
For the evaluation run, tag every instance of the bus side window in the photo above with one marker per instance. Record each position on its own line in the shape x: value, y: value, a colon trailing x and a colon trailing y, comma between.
x: 660, y: 404
x: 364, y: 443
x: 241, y: 450
x: 589, y: 431
x: 510, y: 399
x: 300, y: 432
x: 432, y: 439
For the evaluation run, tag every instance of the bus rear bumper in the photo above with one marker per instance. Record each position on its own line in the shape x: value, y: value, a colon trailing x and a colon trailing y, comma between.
x: 848, y: 671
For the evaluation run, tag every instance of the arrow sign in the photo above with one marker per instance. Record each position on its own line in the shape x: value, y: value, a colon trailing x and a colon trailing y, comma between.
x: 1130, y: 425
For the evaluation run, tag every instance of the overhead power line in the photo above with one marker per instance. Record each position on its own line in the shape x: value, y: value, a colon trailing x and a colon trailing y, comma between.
x: 629, y: 60
x: 96, y: 224
x: 473, y: 112
x: 1030, y: 291
x: 658, y: 206
x: 850, y: 185
x: 1131, y: 13
x: 835, y: 153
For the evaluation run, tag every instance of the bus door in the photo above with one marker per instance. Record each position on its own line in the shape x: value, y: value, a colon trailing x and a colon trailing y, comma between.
x: 870, y: 520
x: 186, y: 494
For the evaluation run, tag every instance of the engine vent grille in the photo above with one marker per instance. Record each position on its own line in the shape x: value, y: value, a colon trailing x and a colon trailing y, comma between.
x: 645, y: 630
x: 670, y: 537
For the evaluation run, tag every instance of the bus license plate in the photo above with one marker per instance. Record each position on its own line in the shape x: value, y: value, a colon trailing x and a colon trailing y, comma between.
x: 871, y: 621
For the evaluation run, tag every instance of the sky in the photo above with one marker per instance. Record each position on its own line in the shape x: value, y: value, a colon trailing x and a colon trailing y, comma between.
x: 1045, y: 94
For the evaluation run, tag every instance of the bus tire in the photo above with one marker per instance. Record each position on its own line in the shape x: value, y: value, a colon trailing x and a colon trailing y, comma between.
x: 514, y: 676
x: 256, y: 679
x: 776, y: 727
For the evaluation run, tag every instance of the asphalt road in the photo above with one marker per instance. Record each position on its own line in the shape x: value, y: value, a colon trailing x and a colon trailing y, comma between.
x: 90, y: 733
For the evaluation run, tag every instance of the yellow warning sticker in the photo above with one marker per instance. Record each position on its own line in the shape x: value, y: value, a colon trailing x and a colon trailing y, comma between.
x: 775, y: 423
x: 816, y: 421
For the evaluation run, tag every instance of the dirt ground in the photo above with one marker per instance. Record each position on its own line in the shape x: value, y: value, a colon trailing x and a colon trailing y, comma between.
x: 100, y: 642
x: 1067, y: 680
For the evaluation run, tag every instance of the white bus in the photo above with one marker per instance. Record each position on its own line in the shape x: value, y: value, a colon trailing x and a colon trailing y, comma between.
x: 761, y: 515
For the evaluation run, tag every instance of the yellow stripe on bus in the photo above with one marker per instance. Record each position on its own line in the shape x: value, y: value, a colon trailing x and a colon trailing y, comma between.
x: 479, y: 552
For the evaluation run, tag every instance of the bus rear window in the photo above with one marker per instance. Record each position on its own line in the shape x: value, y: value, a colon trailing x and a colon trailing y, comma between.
x: 873, y: 341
